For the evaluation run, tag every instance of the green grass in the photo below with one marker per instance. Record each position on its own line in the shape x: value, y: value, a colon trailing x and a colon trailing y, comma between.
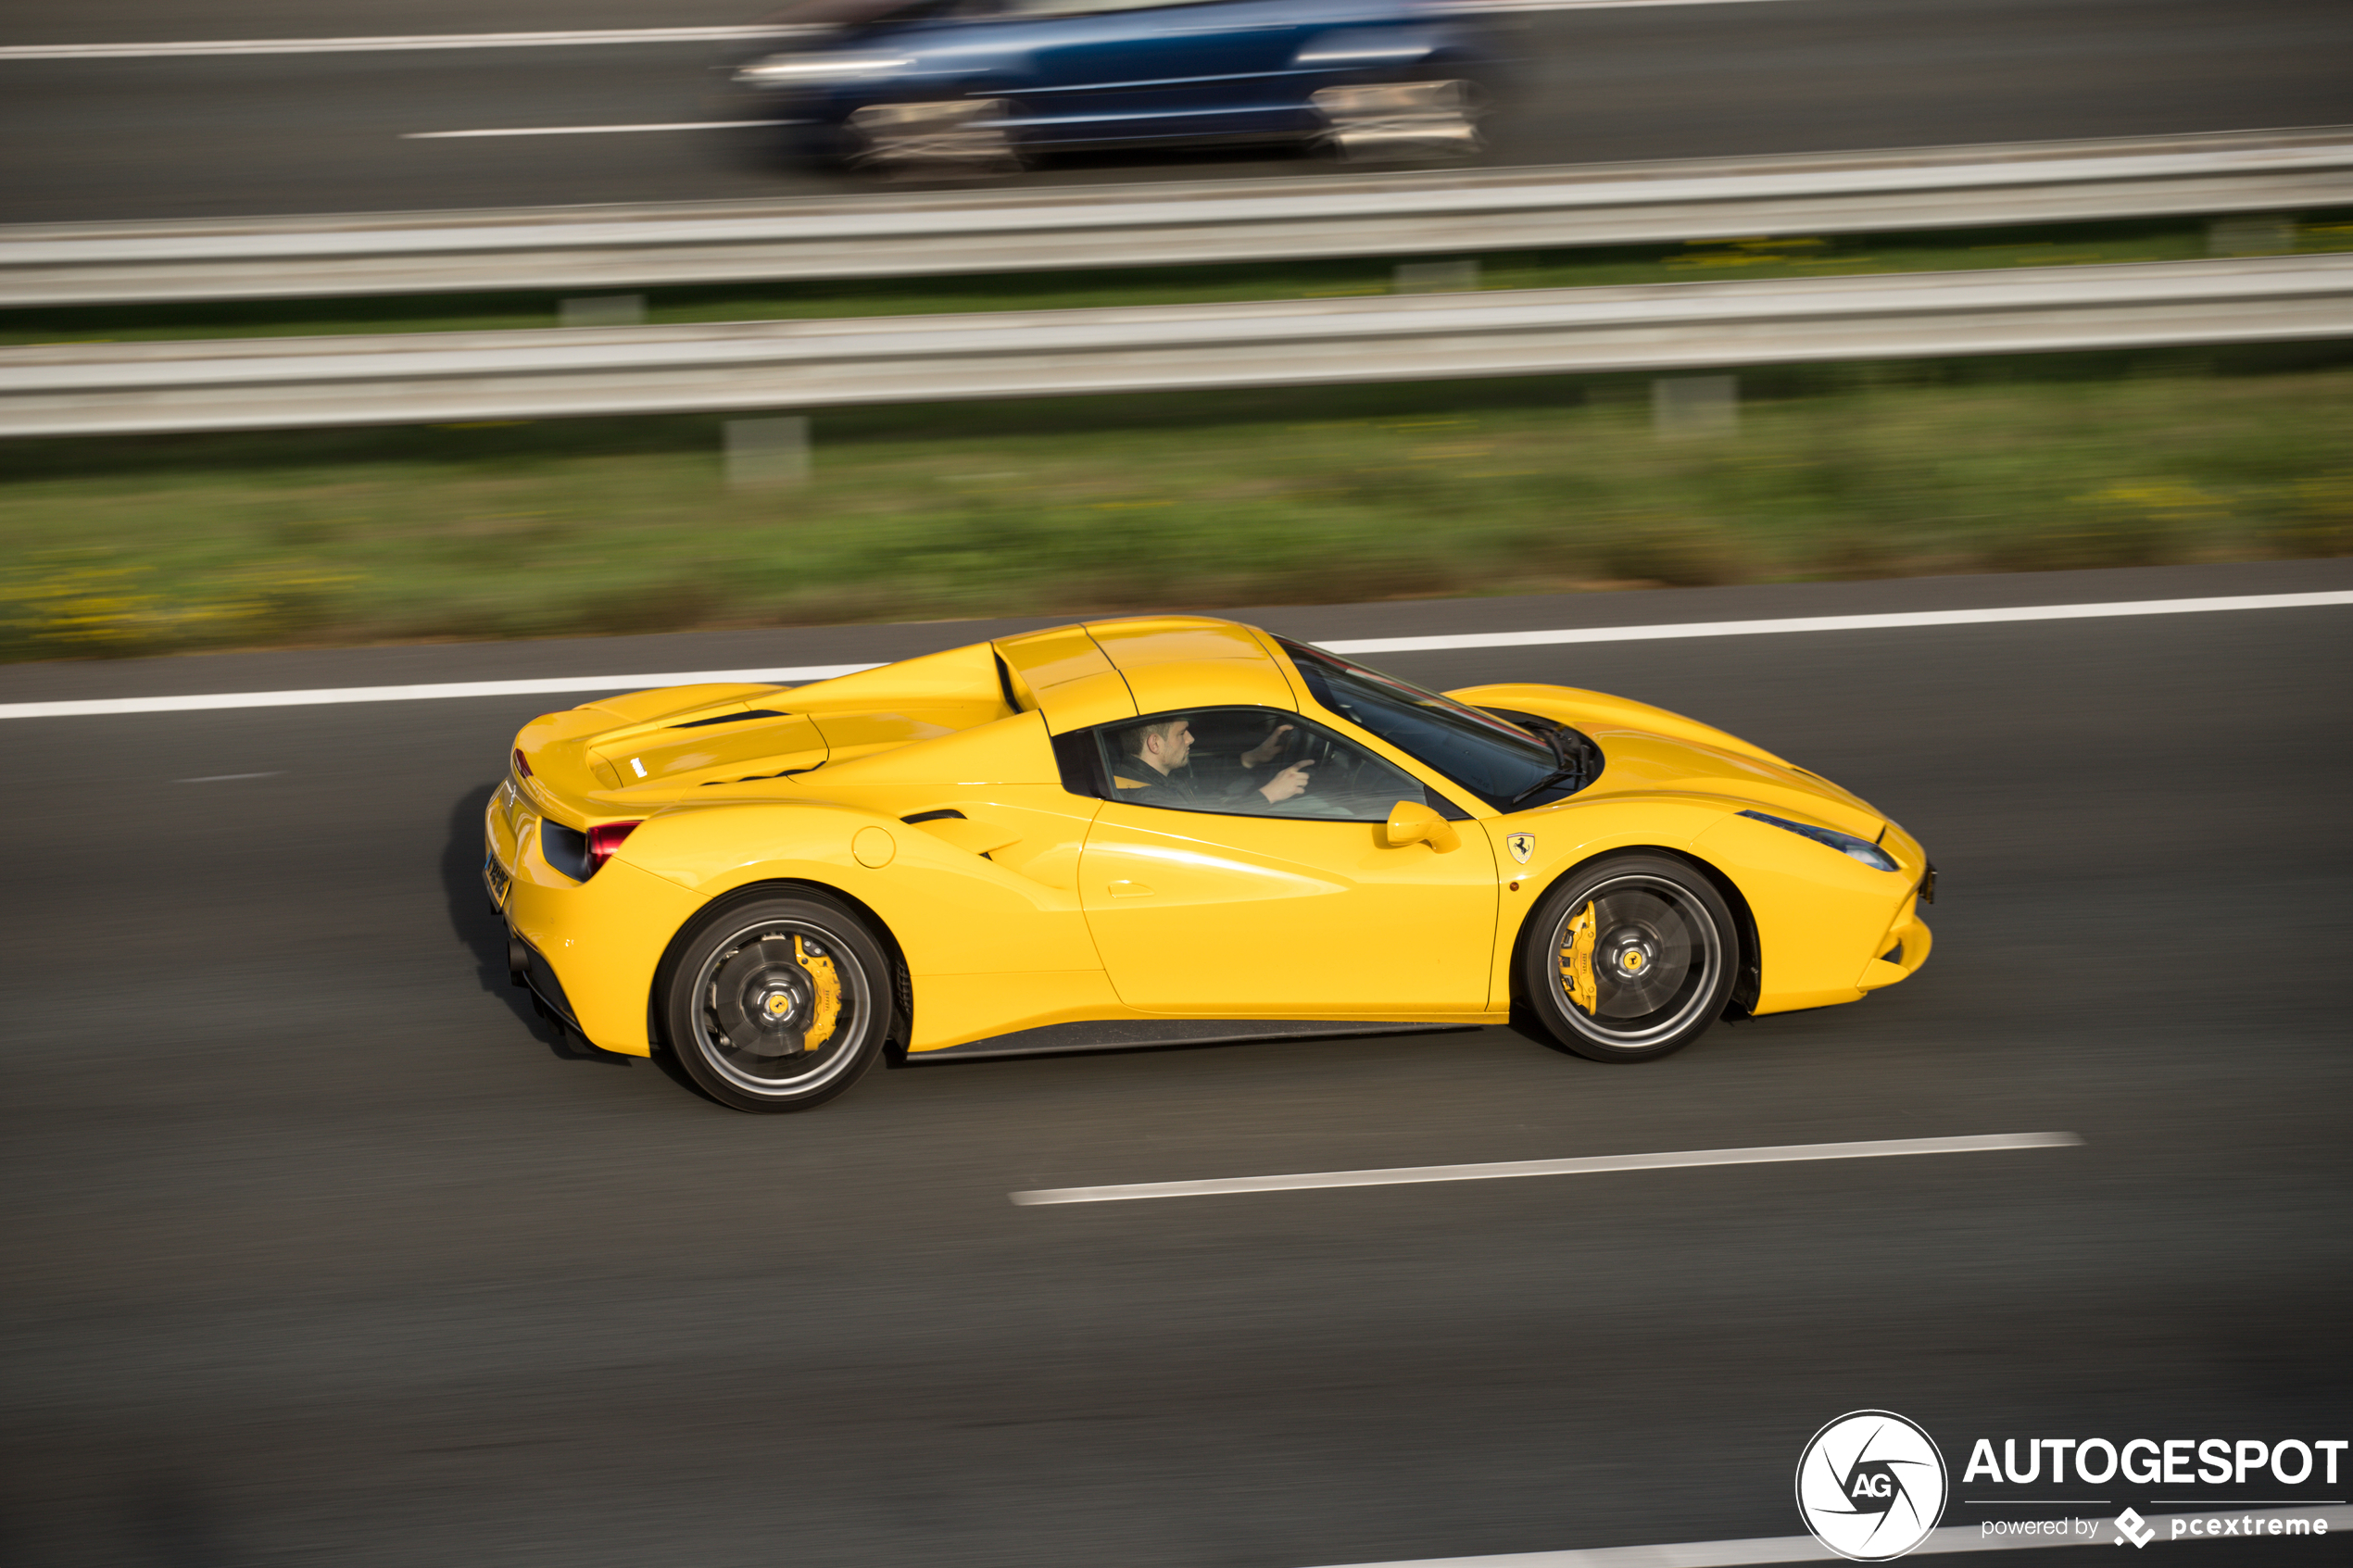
x: 1783, y: 256
x: 1199, y: 499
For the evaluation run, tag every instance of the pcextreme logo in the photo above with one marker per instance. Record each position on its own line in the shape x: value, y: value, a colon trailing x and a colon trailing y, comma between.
x: 1871, y: 1486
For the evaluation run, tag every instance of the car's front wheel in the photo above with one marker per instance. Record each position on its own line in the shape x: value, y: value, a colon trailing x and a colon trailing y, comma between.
x: 1629, y: 958
x: 953, y: 138
x: 776, y: 1002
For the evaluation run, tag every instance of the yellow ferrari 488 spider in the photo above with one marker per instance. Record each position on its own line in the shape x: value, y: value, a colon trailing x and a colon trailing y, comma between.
x: 1166, y: 829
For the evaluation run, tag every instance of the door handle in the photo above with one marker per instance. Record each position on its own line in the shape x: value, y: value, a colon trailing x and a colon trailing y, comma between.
x: 1129, y: 890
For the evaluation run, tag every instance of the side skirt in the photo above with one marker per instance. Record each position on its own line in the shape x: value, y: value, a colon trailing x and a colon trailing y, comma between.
x: 1133, y: 1035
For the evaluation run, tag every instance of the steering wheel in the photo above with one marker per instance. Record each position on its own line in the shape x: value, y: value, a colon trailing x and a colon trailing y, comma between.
x: 1312, y: 746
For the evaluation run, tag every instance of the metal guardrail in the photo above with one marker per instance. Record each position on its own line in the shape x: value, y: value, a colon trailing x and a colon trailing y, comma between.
x: 122, y: 388
x: 909, y: 234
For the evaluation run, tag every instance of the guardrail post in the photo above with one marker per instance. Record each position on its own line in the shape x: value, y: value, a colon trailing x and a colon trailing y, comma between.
x: 1688, y: 406
x: 2251, y: 234
x: 1435, y: 276
x: 768, y: 454
x: 603, y: 310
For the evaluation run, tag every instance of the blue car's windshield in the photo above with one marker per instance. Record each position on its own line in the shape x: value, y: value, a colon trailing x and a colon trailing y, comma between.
x: 1501, y: 763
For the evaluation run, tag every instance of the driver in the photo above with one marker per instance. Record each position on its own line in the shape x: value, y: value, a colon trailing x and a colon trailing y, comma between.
x: 1162, y: 747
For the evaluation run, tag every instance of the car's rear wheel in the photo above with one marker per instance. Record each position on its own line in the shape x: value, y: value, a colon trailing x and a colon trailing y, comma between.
x: 776, y: 1002
x: 1431, y: 119
x: 1629, y: 958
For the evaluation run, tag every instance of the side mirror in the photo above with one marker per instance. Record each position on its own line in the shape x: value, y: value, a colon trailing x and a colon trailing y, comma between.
x: 1410, y: 822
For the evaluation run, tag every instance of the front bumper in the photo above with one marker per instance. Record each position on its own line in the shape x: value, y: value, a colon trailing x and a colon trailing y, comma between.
x: 1909, y: 941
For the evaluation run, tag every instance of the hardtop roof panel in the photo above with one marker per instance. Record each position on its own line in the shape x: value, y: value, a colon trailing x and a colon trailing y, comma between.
x: 1137, y: 643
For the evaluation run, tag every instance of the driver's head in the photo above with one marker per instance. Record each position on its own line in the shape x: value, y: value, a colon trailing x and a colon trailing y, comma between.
x: 1163, y: 744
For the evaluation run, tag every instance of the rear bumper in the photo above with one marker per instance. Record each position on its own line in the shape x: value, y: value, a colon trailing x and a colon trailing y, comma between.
x: 527, y: 965
x: 529, y: 968
x: 586, y: 951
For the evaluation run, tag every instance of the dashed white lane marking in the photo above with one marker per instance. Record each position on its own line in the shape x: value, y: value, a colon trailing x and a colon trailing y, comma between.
x: 1407, y: 1175
x: 1839, y: 623
x: 231, y: 778
x: 585, y: 130
x: 1805, y: 1549
x: 640, y: 35
x: 1362, y: 644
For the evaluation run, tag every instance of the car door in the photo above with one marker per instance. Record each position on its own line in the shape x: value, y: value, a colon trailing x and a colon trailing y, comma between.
x: 1225, y: 903
x: 1118, y: 70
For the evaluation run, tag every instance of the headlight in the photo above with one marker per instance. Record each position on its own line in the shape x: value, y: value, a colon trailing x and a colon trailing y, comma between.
x: 1846, y: 843
x: 794, y: 70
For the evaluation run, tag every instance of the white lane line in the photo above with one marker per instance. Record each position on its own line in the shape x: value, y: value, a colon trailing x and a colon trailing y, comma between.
x: 1366, y: 644
x: 229, y: 778
x: 1407, y: 1175
x: 1805, y: 1549
x: 327, y: 695
x: 1838, y: 623
x: 379, y: 43
x: 586, y: 130
x: 366, y: 45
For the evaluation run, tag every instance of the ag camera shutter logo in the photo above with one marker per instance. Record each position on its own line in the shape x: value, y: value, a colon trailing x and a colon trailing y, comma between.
x: 1871, y: 1486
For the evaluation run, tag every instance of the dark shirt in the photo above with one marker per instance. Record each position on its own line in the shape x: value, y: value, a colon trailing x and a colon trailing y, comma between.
x: 1228, y: 789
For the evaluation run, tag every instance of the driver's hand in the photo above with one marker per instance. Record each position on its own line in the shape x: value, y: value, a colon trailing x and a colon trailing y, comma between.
x: 1283, y: 786
x: 1265, y: 750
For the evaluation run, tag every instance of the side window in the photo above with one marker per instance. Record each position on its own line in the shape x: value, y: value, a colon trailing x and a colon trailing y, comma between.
x: 1029, y: 8
x: 1249, y: 763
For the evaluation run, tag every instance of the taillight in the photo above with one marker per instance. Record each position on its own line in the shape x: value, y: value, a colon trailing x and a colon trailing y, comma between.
x: 522, y: 765
x: 603, y: 839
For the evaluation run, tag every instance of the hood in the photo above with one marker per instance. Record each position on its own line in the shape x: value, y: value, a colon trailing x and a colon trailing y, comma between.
x: 1651, y: 748
x: 1640, y: 760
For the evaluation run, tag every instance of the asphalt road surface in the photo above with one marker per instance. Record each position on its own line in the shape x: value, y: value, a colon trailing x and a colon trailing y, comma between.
x: 323, y: 1251
x: 218, y: 135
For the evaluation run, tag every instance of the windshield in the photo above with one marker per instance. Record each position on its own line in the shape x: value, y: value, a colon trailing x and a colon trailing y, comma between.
x: 1501, y: 763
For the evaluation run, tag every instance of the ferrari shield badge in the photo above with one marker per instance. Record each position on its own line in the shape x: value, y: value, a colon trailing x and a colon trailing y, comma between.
x: 1521, y: 845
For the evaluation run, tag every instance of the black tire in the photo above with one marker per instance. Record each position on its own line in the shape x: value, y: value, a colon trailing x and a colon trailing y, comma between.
x: 778, y: 1001
x: 1660, y: 952
x: 951, y: 139
x: 1434, y: 115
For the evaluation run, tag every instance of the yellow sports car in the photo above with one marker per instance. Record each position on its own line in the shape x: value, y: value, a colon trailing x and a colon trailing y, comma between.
x: 1164, y: 829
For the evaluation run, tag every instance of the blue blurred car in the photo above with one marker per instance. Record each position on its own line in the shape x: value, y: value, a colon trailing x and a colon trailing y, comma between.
x: 983, y: 85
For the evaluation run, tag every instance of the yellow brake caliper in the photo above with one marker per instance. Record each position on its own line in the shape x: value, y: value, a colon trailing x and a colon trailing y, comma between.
x: 1577, y: 959
x: 821, y: 970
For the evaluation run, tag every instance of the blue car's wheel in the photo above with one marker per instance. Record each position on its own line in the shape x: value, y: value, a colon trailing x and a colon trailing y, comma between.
x: 1629, y: 958
x: 776, y: 1003
x: 1434, y: 117
x: 952, y: 137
